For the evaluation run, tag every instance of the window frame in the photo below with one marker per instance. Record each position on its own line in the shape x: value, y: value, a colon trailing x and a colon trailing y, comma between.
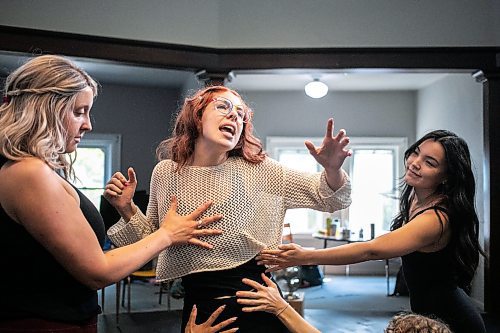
x: 111, y: 144
x: 397, y: 144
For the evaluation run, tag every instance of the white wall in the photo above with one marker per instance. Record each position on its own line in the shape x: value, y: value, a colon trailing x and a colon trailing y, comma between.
x: 455, y: 103
x: 360, y: 113
x: 268, y: 23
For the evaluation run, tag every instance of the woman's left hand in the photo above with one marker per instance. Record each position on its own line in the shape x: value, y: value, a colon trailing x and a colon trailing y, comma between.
x: 207, y: 327
x: 332, y: 152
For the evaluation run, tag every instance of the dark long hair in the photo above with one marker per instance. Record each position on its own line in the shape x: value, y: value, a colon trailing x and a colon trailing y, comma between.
x: 458, y: 192
x: 180, y: 147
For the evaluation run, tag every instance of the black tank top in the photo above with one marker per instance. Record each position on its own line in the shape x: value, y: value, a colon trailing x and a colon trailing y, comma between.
x: 32, y: 283
x: 425, y: 271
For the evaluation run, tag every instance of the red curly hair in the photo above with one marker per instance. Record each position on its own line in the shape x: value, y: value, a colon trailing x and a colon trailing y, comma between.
x: 188, y: 126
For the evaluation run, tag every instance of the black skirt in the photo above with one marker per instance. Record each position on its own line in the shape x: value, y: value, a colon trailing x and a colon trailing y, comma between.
x: 203, y: 289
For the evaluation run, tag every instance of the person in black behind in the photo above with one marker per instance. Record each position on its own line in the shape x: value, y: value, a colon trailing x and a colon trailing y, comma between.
x: 51, y: 231
x: 436, y: 232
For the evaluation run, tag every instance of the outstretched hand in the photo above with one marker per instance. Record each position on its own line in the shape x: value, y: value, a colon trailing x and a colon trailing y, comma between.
x: 262, y: 298
x: 332, y: 152
x: 207, y: 327
x: 187, y: 229
x: 331, y: 155
x: 287, y: 255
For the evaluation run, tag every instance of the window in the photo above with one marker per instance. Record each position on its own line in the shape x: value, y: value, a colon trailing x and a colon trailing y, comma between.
x: 97, y: 158
x: 374, y: 168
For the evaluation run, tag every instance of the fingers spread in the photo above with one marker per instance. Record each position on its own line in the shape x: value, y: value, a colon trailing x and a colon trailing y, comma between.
x: 255, y: 301
x: 200, y: 243
x: 246, y: 294
x: 341, y: 134
x: 215, y: 314
x: 268, y: 281
x: 173, y: 203
x: 310, y: 146
x: 254, y: 284
x: 329, y: 128
x: 212, y: 219
x: 200, y: 210
x: 223, y: 324
x: 253, y: 308
x: 232, y: 330
x: 192, y: 316
x: 207, y: 232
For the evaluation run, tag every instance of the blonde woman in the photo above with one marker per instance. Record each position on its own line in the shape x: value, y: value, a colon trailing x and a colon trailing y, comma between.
x: 49, y: 229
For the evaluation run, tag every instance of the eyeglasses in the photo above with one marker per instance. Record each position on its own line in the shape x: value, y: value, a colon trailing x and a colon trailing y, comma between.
x: 225, y: 106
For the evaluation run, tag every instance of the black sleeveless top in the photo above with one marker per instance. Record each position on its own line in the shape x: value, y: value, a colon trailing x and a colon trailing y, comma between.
x: 430, y: 270
x: 32, y: 283
x: 432, y: 281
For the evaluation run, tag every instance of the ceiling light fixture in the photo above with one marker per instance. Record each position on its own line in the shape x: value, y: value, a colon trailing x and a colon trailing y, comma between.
x: 316, y: 89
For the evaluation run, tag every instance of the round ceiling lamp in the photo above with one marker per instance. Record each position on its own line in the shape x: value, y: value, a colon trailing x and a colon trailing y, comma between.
x: 316, y: 89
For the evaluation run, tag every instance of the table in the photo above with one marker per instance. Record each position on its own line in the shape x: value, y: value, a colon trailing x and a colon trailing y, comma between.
x: 351, y: 239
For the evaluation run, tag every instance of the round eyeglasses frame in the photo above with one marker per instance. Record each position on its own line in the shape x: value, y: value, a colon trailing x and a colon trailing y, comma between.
x: 225, y: 106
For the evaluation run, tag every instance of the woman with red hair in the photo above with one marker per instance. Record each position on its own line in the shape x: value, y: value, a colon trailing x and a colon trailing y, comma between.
x: 214, y: 155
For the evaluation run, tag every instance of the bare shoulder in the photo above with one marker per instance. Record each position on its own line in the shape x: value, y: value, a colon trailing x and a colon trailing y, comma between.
x: 435, y: 223
x: 31, y: 171
x: 435, y: 216
x: 27, y: 181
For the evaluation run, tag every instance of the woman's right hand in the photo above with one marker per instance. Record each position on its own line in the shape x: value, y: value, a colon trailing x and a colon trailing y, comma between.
x: 261, y: 298
x: 119, y: 192
x: 187, y: 229
x: 287, y: 255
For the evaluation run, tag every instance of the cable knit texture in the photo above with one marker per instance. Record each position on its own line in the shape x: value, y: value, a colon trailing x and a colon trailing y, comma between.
x: 252, y: 198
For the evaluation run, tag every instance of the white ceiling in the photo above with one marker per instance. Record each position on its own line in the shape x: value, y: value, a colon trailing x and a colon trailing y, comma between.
x: 349, y: 80
x: 359, y: 80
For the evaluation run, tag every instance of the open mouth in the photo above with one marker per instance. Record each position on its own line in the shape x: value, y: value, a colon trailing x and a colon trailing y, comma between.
x: 228, y: 129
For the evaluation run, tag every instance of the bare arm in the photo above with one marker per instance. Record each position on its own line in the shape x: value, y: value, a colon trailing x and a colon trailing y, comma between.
x: 268, y: 299
x: 421, y: 233
x: 49, y: 210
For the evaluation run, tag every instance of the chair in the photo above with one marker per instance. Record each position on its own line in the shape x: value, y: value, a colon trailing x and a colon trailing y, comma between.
x: 148, y: 272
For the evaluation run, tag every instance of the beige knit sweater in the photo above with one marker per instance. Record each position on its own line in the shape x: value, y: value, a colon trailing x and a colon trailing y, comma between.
x: 252, y: 198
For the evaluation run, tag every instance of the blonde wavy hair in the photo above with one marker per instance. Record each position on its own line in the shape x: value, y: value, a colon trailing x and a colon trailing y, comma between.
x: 38, y: 97
x: 407, y: 322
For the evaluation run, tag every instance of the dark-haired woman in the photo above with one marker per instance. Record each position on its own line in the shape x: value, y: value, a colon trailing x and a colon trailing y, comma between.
x: 436, y: 233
